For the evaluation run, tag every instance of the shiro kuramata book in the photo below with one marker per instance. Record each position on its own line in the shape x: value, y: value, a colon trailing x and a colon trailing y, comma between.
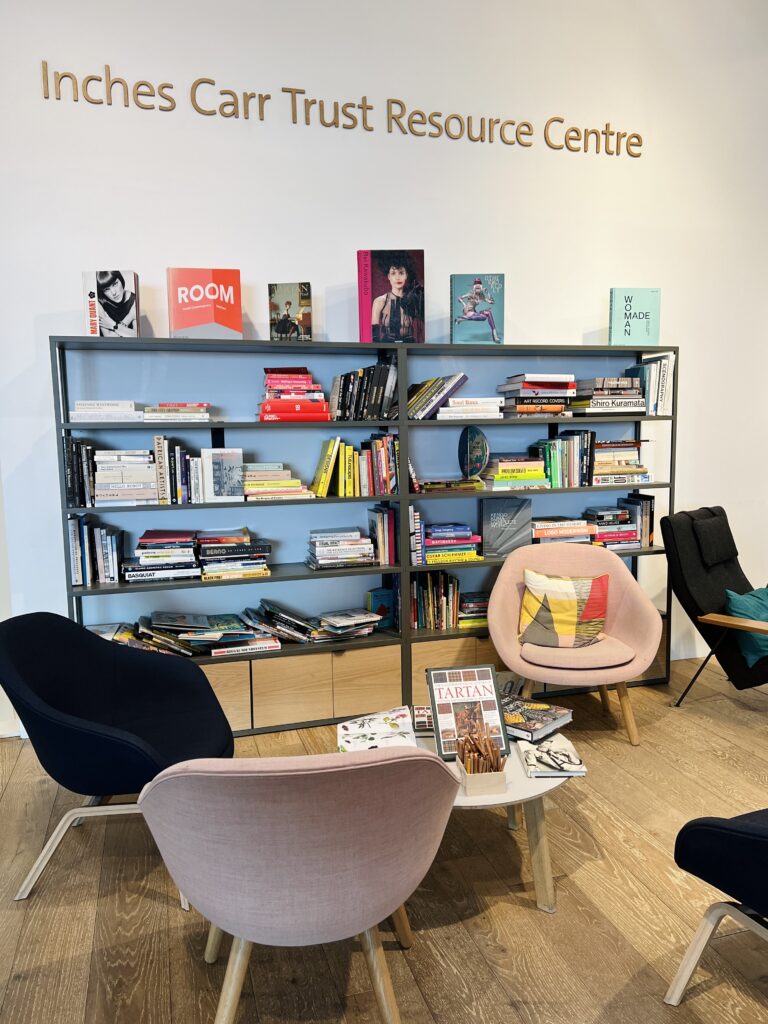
x: 290, y: 311
x: 506, y: 524
x: 634, y: 316
x: 477, y: 309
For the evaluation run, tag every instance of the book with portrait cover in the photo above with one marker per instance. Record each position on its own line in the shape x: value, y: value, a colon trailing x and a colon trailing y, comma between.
x: 634, y: 316
x: 111, y: 303
x: 390, y: 290
x: 465, y: 702
x: 204, y: 303
x: 290, y: 311
x: 477, y: 309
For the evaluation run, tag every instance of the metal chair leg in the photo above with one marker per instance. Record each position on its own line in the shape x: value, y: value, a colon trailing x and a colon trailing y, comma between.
x: 699, y: 670
x: 92, y: 801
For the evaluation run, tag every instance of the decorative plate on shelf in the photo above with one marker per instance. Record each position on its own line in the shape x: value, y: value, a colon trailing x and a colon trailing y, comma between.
x: 474, y: 451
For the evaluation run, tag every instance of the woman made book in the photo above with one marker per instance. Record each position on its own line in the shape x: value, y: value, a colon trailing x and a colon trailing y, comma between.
x: 390, y: 288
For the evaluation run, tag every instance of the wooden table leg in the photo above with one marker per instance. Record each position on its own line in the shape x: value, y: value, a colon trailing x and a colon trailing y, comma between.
x: 513, y: 817
x: 402, y: 927
x: 539, y: 850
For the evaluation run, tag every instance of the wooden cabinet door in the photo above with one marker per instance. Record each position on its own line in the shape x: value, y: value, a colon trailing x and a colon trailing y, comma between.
x: 298, y: 688
x: 366, y: 680
x: 231, y: 683
x: 486, y: 654
x: 438, y: 654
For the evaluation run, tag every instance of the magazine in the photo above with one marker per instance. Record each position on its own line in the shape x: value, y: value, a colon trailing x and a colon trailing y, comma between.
x: 532, y: 720
x: 383, y: 729
x: 554, y: 757
x: 465, y: 702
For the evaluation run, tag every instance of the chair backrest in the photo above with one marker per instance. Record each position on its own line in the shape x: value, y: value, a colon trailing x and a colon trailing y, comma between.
x: 294, y: 851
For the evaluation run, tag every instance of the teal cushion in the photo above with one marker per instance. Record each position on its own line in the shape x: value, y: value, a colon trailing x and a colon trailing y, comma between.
x: 754, y: 605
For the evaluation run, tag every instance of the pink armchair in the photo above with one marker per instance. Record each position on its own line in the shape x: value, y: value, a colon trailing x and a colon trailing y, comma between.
x: 632, y: 625
x: 293, y: 851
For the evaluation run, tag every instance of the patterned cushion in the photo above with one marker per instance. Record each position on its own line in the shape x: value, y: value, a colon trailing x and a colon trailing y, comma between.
x: 563, y: 611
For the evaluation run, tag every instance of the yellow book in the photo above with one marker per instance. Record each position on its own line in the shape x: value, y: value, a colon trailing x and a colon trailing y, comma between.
x: 271, y: 485
x: 358, y: 492
x: 341, y: 464
x: 349, y: 472
x: 321, y: 479
x: 453, y: 556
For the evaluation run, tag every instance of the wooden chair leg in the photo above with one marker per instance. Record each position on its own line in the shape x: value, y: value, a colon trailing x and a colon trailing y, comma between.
x: 380, y: 979
x: 527, y: 691
x: 628, y: 714
x: 237, y: 965
x: 213, y: 945
x: 605, y: 699
x: 402, y: 927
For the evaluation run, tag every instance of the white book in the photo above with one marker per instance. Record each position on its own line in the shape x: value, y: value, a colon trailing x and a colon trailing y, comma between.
x: 103, y: 416
x: 455, y: 402
x: 109, y: 403
x: 553, y: 757
x: 222, y: 474
x: 384, y: 729
x: 472, y: 414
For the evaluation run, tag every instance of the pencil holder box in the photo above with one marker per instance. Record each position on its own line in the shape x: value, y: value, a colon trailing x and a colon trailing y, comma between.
x: 483, y: 783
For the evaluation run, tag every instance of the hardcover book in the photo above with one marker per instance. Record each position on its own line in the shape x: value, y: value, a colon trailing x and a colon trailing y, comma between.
x: 634, y: 316
x: 383, y: 729
x: 465, y: 702
x: 390, y: 287
x: 290, y: 311
x: 111, y: 303
x: 477, y: 309
x: 204, y: 303
x: 531, y: 720
x: 222, y: 474
x: 506, y: 525
x: 554, y: 757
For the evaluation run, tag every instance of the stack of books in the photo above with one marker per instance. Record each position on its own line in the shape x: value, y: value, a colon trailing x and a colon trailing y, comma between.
x: 515, y: 471
x: 560, y: 528
x: 471, y: 409
x: 656, y: 378
x: 162, y: 555
x: 95, y: 552
x: 180, y: 412
x: 105, y: 411
x: 364, y: 394
x: 451, y: 542
x: 618, y: 463
x: 277, y: 620
x: 466, y: 484
x: 349, y: 622
x: 123, y: 477
x: 340, y: 548
x: 426, y: 397
x: 612, y: 527
x: 534, y: 726
x: 617, y: 395
x: 434, y: 601
x: 538, y: 394
x: 213, y: 636
x: 382, y: 526
x: 292, y: 395
x: 272, y: 481
x: 232, y: 555
x: 473, y: 609
x: 641, y: 509
x: 345, y: 471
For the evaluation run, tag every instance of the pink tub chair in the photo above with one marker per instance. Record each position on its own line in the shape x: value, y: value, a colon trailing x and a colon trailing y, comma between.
x: 632, y: 625
x: 294, y: 851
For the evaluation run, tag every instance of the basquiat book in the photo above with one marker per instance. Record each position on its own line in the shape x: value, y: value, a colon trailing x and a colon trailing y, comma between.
x: 634, y: 316
x: 290, y: 311
x: 111, y: 303
x: 204, y: 303
x: 390, y: 289
x: 477, y: 309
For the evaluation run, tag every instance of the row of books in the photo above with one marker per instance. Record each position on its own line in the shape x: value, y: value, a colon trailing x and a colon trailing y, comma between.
x: 627, y: 525
x: 575, y: 458
x: 125, y: 410
x: 434, y: 601
x: 348, y: 472
x: 288, y: 625
x: 427, y: 396
x: 367, y: 393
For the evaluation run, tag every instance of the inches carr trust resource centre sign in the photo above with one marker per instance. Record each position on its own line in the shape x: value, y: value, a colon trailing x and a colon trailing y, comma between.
x: 206, y: 97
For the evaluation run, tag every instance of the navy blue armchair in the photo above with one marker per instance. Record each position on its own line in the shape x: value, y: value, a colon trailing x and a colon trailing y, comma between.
x: 104, y: 719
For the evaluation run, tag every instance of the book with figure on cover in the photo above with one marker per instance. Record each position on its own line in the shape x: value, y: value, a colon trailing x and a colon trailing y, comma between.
x: 634, y: 316
x: 111, y: 303
x: 204, y: 303
x: 465, y: 702
x: 477, y: 309
x: 290, y: 311
x: 552, y: 758
x: 390, y: 290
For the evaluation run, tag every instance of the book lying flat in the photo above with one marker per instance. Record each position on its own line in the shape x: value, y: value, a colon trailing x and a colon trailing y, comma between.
x: 532, y: 720
x: 382, y: 729
x: 554, y: 757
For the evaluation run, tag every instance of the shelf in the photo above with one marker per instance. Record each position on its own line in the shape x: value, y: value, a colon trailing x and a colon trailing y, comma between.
x: 382, y: 638
x: 175, y: 425
x: 79, y: 343
x: 513, y: 351
x: 312, y: 502
x: 491, y: 561
x: 525, y: 491
x: 569, y: 422
x: 419, y: 636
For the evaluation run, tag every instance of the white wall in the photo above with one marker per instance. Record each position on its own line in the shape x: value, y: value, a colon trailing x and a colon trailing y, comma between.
x: 88, y: 186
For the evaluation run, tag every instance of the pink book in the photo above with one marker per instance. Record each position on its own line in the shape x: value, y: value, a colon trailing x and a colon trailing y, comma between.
x: 390, y: 289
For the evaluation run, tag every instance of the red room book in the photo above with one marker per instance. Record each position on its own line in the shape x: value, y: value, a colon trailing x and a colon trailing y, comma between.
x: 204, y: 303
x: 390, y: 288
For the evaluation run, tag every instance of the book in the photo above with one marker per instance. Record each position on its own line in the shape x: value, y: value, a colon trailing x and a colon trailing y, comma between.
x: 532, y: 720
x: 380, y: 600
x: 204, y: 303
x: 422, y: 720
x: 477, y: 309
x: 111, y: 303
x: 290, y: 311
x: 390, y: 288
x: 382, y: 729
x: 505, y: 525
x: 222, y: 474
x: 465, y: 702
x: 634, y: 316
x: 551, y: 758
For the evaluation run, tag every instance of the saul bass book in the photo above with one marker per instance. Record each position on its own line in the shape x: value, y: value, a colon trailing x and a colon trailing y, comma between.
x: 390, y: 289
x: 465, y: 702
x: 634, y: 316
x: 477, y: 309
x: 204, y: 303
x: 290, y: 311
x: 111, y: 303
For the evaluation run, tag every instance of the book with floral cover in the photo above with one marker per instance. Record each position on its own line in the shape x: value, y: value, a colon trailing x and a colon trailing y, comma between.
x: 382, y: 729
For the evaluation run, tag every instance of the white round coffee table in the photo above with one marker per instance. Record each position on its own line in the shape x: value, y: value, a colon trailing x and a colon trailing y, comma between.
x: 530, y: 794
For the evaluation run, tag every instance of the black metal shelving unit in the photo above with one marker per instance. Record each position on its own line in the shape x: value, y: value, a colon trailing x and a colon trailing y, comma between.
x: 404, y: 354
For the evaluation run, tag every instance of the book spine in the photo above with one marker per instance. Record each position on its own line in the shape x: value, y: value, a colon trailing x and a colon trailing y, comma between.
x: 265, y: 645
x: 294, y: 417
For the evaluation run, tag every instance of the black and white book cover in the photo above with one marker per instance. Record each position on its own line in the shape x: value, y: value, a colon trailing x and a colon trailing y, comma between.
x: 111, y: 303
x: 222, y: 474
x: 506, y: 524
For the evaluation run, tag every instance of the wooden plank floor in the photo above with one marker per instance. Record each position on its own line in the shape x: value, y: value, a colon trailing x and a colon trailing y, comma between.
x: 103, y: 939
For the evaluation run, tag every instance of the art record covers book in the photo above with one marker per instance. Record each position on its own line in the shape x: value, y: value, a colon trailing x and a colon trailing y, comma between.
x: 204, y: 303
x: 477, y: 309
x: 634, y: 316
x: 390, y: 288
x: 383, y: 729
x: 506, y: 524
x: 111, y: 303
x: 290, y: 311
x: 465, y: 702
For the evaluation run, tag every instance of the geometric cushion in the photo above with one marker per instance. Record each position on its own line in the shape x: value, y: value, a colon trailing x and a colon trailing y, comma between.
x: 563, y: 611
x: 606, y: 653
x: 754, y: 605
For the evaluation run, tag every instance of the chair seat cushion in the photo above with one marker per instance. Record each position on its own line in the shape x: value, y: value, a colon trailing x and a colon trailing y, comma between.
x: 605, y: 653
